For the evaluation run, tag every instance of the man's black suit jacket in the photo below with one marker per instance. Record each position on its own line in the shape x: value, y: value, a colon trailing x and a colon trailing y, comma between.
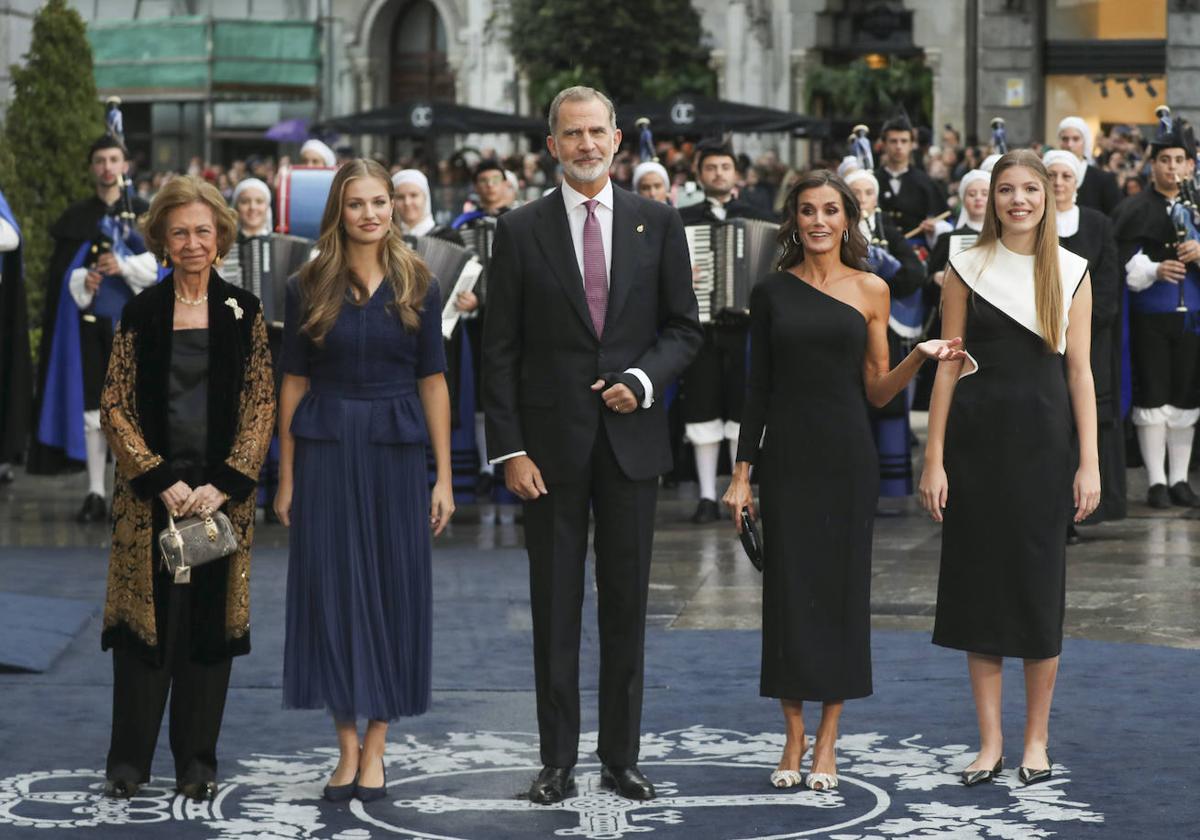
x: 735, y: 208
x: 541, y: 353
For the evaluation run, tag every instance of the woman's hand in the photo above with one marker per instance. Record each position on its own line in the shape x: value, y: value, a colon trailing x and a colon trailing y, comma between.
x: 942, y: 350
x: 174, y: 497
x: 441, y: 507
x: 934, y: 490
x: 1087, y: 492
x: 283, y: 502
x: 203, y: 501
x: 738, y: 496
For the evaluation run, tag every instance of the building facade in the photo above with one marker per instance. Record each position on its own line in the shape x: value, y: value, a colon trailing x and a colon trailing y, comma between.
x: 1029, y: 61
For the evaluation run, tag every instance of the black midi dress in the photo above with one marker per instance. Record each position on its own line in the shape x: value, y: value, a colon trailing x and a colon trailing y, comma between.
x: 818, y: 478
x: 1009, y: 462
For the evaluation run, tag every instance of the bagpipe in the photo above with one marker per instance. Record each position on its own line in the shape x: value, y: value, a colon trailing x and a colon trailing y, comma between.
x: 117, y: 236
x: 1185, y: 218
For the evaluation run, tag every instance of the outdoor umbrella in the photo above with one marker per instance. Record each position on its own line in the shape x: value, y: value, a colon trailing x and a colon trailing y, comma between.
x: 701, y: 115
x: 423, y: 119
x: 289, y: 131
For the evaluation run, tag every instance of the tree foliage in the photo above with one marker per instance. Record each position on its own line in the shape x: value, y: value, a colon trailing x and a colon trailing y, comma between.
x: 52, y: 120
x: 859, y: 92
x: 649, y: 49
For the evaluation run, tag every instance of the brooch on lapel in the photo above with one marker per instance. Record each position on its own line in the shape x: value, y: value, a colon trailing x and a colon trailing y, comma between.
x: 233, y: 304
x: 641, y: 228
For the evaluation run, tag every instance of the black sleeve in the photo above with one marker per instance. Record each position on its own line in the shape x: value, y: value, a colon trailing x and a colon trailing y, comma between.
x: 758, y: 384
x: 911, y: 275
x: 1106, y: 278
x: 1110, y: 193
x: 502, y: 346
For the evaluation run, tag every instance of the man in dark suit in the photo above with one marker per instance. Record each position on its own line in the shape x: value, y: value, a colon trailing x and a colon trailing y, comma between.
x: 590, y: 315
x: 714, y: 385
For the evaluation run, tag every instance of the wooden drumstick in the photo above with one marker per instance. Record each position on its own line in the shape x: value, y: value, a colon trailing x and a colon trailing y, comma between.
x: 917, y: 229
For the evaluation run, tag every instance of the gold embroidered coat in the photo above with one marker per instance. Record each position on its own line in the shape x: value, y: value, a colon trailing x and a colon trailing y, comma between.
x: 134, y: 416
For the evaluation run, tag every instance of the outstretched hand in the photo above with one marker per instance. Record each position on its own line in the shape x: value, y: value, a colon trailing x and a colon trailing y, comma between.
x: 943, y: 350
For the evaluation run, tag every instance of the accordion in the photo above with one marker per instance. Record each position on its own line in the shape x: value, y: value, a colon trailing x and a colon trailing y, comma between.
x: 730, y: 257
x: 479, y: 236
x: 455, y: 268
x: 262, y: 265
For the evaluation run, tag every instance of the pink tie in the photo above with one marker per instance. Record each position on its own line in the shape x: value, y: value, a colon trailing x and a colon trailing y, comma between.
x: 595, y: 274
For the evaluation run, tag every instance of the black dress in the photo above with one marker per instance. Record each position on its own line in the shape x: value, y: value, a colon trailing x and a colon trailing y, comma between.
x: 819, y: 481
x: 1009, y: 463
x: 1095, y: 242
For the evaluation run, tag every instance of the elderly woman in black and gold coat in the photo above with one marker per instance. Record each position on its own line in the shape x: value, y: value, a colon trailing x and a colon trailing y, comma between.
x: 188, y: 407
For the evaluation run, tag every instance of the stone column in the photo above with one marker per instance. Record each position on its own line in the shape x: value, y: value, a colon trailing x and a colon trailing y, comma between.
x: 1183, y: 60
x: 365, y: 85
x: 940, y: 29
x: 1008, y: 46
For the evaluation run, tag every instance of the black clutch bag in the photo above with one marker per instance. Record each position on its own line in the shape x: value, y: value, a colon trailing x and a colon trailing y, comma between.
x: 751, y: 541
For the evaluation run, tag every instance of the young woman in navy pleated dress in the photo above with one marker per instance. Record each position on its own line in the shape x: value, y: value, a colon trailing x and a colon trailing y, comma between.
x: 363, y: 393
x: 1000, y: 467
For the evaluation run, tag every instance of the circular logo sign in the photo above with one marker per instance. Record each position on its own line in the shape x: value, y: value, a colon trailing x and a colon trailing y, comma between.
x: 421, y: 116
x: 683, y: 112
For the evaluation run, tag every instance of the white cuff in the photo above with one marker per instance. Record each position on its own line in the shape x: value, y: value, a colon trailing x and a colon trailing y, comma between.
x: 140, y: 271
x: 79, y: 292
x: 1140, y: 272
x: 507, y: 457
x: 647, y: 386
x: 9, y: 240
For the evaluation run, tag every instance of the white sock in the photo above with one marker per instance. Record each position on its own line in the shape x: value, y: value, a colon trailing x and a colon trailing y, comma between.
x: 481, y: 444
x: 1152, y: 440
x: 732, y: 453
x: 706, y: 468
x: 97, y: 454
x: 1179, y: 452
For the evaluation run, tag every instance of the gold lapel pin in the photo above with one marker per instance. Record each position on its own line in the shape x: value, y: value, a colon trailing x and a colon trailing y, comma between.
x: 641, y: 228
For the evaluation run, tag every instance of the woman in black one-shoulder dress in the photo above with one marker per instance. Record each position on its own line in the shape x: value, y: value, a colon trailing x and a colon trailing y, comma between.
x: 818, y: 356
x: 999, y: 460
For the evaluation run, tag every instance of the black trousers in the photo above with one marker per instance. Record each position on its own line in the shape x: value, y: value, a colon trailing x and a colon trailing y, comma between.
x: 1165, y: 355
x: 140, y: 695
x: 714, y: 385
x: 556, y: 532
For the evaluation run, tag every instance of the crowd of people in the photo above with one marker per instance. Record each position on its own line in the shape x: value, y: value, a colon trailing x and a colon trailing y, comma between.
x: 576, y: 365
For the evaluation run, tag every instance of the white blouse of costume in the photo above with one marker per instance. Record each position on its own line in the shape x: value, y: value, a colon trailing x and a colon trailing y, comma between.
x: 1004, y: 279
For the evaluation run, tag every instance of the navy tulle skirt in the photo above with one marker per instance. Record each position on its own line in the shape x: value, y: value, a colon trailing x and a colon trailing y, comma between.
x: 358, y: 593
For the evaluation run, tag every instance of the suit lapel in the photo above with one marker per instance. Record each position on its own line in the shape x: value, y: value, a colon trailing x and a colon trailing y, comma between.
x: 554, y: 236
x: 626, y: 220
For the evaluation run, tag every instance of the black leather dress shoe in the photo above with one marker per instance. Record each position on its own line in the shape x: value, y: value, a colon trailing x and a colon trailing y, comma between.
x: 121, y: 789
x: 552, y: 785
x: 94, y: 509
x: 627, y: 781
x: 706, y: 512
x: 1182, y: 495
x: 1158, y: 497
x: 199, y: 791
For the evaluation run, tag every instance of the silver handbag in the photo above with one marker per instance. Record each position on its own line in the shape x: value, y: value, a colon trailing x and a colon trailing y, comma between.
x: 195, y: 541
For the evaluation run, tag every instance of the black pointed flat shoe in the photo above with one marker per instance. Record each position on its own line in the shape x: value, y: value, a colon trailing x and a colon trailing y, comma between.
x: 1029, y: 776
x: 975, y: 777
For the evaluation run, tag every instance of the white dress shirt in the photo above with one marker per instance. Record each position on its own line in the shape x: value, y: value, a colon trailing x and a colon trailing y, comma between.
x: 576, y: 217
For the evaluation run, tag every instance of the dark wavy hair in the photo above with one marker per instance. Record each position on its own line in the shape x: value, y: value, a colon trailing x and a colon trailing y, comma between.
x: 854, y: 247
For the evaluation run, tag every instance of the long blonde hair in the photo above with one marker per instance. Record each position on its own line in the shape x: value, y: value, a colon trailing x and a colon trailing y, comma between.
x: 1047, y: 283
x: 326, y: 278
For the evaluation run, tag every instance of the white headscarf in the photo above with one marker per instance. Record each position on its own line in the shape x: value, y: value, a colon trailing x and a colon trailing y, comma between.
x: 861, y: 175
x: 1079, y: 125
x: 646, y: 167
x: 850, y: 163
x: 974, y: 176
x: 326, y: 153
x: 989, y: 163
x: 1062, y: 156
x: 416, y: 176
x: 255, y: 183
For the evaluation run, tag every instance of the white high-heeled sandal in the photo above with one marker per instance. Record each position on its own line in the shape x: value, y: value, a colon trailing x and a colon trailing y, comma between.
x: 827, y: 781
x: 785, y: 778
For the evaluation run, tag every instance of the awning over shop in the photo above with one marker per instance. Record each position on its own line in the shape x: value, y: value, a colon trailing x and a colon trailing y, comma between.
x: 172, y: 56
x: 422, y: 119
x: 700, y: 115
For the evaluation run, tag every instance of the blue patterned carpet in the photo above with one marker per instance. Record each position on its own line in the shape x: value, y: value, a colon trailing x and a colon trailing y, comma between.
x: 1125, y: 736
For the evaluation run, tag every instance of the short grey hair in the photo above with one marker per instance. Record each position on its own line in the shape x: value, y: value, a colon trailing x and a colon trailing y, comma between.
x: 580, y: 93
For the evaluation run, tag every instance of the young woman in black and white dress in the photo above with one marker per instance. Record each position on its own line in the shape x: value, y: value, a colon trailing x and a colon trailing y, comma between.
x: 999, y: 461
